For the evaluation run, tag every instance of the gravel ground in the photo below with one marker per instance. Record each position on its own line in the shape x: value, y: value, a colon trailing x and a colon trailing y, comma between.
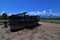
x: 47, y: 31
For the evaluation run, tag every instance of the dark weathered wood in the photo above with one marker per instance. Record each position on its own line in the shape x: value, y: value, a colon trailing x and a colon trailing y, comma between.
x: 5, y: 24
x: 22, y: 21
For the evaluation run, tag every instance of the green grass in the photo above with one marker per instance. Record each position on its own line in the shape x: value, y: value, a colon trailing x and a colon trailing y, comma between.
x: 1, y: 21
x: 51, y: 21
x: 42, y: 20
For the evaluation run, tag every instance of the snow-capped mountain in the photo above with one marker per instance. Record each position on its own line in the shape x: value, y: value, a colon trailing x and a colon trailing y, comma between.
x: 44, y: 14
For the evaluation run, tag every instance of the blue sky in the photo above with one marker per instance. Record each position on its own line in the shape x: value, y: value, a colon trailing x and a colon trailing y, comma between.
x: 15, y: 6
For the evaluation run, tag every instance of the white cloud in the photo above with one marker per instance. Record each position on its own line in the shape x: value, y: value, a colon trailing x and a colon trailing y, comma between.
x: 11, y: 13
x: 2, y: 12
x: 38, y: 12
x: 50, y: 10
x: 31, y: 13
x: 34, y: 13
x: 44, y: 12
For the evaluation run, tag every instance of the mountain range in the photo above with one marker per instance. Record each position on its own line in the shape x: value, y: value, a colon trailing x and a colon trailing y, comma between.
x: 43, y: 14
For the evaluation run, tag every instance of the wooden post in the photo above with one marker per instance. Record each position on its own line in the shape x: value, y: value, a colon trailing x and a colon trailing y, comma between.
x: 5, y: 24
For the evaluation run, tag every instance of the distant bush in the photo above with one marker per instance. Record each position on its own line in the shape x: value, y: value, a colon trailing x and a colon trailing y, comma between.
x: 50, y: 18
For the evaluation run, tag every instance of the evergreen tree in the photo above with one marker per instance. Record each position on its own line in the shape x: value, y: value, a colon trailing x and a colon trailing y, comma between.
x: 4, y: 16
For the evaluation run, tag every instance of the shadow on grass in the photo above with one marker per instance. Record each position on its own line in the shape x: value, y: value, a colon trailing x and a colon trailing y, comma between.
x: 28, y: 27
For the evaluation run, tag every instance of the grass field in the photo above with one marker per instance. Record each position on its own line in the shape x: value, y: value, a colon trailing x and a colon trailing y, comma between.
x: 42, y: 20
x: 51, y: 21
x: 1, y: 21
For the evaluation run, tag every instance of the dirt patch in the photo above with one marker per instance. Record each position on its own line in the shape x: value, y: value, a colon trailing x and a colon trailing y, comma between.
x: 47, y: 31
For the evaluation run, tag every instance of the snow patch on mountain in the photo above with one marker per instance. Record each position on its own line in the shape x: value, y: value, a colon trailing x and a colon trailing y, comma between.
x: 44, y: 14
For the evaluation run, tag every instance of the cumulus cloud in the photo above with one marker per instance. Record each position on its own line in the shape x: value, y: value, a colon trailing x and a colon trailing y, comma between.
x: 31, y: 13
x: 38, y: 12
x: 2, y: 12
x: 50, y: 10
x: 34, y: 13
x: 11, y: 13
x: 44, y: 12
